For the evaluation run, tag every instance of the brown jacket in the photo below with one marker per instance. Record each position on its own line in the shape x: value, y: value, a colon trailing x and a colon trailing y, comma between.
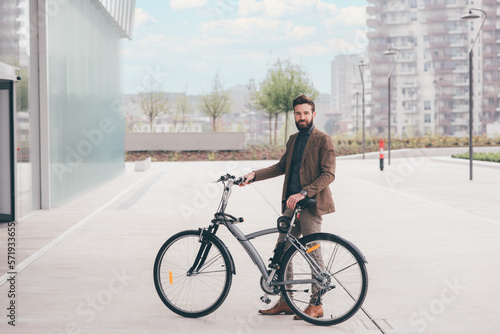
x: 317, y: 169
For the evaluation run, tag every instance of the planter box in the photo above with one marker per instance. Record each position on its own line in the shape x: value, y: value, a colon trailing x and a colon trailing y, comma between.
x: 186, y: 141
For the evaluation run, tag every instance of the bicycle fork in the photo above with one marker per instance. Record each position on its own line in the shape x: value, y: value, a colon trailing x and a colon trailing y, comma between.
x: 203, y: 252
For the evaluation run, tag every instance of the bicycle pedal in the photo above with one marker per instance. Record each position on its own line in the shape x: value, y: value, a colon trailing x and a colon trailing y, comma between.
x: 265, y: 299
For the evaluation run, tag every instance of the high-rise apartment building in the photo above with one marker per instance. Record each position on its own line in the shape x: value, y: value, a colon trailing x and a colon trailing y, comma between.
x: 489, y: 58
x: 430, y: 83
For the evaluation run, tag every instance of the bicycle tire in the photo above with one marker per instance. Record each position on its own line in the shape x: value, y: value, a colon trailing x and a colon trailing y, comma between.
x: 198, y: 294
x: 347, y: 273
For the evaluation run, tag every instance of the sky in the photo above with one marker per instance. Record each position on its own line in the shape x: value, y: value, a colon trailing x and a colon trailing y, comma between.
x: 183, y: 44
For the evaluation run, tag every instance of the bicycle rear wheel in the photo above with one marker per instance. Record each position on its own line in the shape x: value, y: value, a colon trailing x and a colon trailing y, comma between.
x: 345, y: 278
x: 197, y: 294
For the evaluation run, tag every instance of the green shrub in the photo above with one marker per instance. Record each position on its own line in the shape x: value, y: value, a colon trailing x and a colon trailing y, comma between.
x: 481, y: 156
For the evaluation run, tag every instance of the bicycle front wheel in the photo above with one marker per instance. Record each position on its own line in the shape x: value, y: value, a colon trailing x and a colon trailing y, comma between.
x: 198, y: 293
x: 344, y: 278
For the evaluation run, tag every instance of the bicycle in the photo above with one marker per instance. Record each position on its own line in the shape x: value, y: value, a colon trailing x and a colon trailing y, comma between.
x: 193, y: 269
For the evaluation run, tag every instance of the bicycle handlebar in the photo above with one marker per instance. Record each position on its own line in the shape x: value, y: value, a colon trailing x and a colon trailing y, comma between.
x: 235, y: 180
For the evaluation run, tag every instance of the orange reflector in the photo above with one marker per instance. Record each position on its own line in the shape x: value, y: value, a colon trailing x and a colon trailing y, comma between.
x: 312, y: 248
x: 170, y: 277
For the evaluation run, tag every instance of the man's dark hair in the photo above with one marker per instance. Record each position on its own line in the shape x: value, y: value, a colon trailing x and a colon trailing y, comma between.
x: 302, y: 99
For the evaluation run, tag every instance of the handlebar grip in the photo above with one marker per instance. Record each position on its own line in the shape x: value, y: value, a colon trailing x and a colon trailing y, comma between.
x: 236, y: 181
x: 239, y: 180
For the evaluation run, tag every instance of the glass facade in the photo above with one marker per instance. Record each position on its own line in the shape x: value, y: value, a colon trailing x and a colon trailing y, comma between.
x: 86, y: 127
x: 68, y: 131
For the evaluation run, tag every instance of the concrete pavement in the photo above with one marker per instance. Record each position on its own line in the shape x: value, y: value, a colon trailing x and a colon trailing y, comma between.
x: 430, y: 236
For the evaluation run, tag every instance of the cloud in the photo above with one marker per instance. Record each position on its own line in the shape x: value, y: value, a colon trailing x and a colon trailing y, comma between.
x: 211, y: 42
x: 156, y: 46
x: 249, y: 7
x: 350, y: 16
x: 280, y: 8
x: 141, y: 17
x: 342, y: 45
x: 161, y: 46
x: 248, y: 26
x: 327, y: 8
x: 310, y: 50
x: 151, y: 40
x: 187, y: 4
x: 300, y: 32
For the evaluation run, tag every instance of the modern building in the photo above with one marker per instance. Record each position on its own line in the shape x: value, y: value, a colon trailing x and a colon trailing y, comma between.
x: 346, y: 108
x: 62, y: 131
x: 430, y: 83
x: 345, y: 79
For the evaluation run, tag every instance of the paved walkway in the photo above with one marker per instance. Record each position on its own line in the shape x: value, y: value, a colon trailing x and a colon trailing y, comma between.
x: 430, y: 235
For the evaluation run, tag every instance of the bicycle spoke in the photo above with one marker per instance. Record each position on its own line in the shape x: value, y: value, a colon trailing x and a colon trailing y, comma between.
x: 340, y: 290
x: 201, y: 292
x: 209, y: 262
x: 341, y: 270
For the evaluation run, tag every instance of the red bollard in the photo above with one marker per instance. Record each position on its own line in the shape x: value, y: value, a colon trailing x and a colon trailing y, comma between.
x: 381, y: 149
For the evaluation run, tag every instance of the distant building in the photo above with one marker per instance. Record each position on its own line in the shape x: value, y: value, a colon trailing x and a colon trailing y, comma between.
x: 346, y: 98
x: 61, y: 123
x: 345, y: 83
x: 430, y: 89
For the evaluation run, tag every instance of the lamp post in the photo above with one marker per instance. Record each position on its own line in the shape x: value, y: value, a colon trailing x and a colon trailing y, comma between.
x: 357, y: 108
x: 390, y: 52
x: 472, y: 16
x: 360, y: 65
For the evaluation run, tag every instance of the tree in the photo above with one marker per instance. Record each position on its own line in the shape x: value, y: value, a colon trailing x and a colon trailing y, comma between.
x: 284, y: 82
x: 153, y: 103
x: 181, y: 110
x: 217, y: 102
x: 264, y: 100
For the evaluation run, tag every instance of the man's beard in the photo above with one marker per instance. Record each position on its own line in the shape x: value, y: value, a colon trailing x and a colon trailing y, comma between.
x: 305, y: 126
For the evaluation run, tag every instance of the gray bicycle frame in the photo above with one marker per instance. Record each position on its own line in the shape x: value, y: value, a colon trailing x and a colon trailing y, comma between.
x: 244, y: 241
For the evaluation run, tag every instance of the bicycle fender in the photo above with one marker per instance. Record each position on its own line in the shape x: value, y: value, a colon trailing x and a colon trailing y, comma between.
x: 216, y: 240
x: 356, y: 249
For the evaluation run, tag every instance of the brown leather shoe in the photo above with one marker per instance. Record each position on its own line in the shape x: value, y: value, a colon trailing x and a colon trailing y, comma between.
x: 312, y: 311
x: 280, y: 307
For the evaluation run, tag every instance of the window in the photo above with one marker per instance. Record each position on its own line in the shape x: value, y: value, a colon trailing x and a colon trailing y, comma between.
x: 427, y: 105
x: 427, y: 118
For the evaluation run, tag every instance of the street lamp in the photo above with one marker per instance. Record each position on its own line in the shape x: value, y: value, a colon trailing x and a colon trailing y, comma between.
x: 360, y: 65
x: 472, y: 16
x: 357, y: 103
x: 390, y: 52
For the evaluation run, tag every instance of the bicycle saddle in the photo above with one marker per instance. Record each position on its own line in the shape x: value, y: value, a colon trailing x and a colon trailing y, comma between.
x: 306, y: 202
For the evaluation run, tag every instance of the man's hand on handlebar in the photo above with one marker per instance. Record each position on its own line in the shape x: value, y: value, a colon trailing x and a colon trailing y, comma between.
x: 249, y: 178
x: 293, y: 200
